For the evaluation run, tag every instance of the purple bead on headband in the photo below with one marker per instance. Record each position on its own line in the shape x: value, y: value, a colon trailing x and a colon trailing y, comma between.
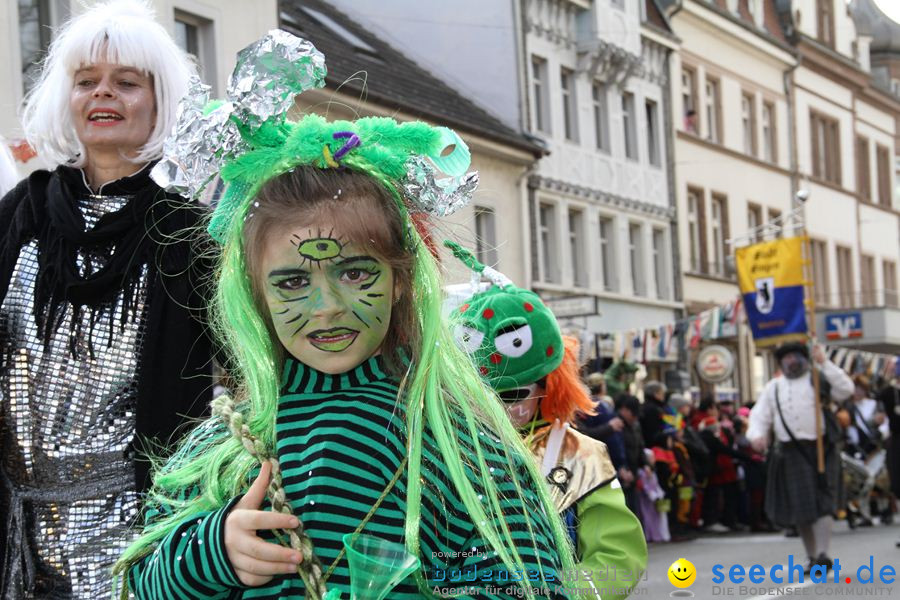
x: 351, y: 143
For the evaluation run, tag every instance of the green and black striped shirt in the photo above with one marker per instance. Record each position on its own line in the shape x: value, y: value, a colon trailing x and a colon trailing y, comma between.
x: 341, y: 438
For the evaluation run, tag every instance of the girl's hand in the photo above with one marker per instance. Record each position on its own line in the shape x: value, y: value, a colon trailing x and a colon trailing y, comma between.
x: 255, y: 560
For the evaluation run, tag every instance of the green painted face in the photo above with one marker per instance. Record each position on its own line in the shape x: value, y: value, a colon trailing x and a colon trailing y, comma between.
x: 330, y: 299
x: 512, y: 335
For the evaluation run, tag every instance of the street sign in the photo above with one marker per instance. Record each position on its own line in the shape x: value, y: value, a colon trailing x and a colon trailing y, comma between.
x: 843, y: 326
x: 573, y: 306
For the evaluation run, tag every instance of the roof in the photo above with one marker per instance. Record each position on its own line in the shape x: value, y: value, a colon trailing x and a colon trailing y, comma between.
x: 771, y: 24
x: 393, y: 80
x: 871, y: 20
x: 656, y: 18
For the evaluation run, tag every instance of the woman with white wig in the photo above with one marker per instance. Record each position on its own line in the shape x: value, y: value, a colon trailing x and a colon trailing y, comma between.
x: 103, y: 352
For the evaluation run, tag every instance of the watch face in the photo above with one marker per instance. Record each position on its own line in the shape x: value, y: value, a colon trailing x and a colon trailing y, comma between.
x: 560, y: 477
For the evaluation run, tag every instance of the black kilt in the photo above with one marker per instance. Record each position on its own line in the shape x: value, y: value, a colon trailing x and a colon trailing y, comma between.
x: 793, y: 494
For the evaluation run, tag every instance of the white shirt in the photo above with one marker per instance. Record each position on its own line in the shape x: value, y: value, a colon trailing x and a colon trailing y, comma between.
x: 797, y: 399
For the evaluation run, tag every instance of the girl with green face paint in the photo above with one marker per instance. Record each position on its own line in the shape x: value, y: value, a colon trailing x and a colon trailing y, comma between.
x: 366, y: 416
x: 329, y: 299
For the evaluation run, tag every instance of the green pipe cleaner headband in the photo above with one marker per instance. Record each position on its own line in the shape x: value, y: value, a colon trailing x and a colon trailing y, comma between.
x: 247, y: 139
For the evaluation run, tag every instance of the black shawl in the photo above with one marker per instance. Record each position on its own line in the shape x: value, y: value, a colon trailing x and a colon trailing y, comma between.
x: 153, y: 228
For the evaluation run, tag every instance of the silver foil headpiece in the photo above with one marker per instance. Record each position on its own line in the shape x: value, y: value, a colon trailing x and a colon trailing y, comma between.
x: 270, y: 72
x: 267, y: 76
x: 437, y: 197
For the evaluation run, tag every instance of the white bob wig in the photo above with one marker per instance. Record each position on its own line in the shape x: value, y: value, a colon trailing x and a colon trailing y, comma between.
x: 120, y: 32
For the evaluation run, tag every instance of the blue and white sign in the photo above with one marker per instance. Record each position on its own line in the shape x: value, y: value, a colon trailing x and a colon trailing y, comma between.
x: 843, y: 326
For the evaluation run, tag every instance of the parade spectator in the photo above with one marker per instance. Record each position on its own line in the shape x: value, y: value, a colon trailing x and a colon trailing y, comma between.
x: 103, y: 352
x: 796, y: 493
x: 619, y: 377
x: 653, y: 412
x: 604, y: 425
x: 628, y: 408
x: 869, y: 427
x: 652, y: 502
x: 889, y: 396
x: 679, y: 518
x: 721, y: 495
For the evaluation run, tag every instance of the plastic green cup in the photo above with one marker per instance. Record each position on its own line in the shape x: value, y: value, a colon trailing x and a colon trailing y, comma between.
x: 376, y: 566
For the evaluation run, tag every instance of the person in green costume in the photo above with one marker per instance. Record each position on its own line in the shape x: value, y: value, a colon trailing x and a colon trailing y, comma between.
x: 619, y: 376
x: 519, y: 350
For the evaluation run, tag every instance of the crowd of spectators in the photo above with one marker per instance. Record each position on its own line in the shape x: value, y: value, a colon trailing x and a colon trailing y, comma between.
x: 687, y: 468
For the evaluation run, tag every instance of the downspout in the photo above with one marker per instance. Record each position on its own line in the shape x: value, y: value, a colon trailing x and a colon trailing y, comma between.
x: 525, y: 185
x: 678, y: 282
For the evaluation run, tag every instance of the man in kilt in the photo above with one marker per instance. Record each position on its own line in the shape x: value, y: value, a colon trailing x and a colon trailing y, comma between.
x: 796, y: 494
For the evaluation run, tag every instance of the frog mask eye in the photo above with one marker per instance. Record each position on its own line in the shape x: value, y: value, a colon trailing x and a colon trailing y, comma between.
x: 514, y: 342
x: 468, y: 338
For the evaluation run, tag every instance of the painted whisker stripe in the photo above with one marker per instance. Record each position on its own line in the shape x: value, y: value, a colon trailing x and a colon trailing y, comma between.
x: 300, y: 328
x: 360, y: 318
x: 297, y: 318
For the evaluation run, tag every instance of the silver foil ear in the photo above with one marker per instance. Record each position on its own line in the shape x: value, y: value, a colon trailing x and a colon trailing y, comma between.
x: 268, y: 75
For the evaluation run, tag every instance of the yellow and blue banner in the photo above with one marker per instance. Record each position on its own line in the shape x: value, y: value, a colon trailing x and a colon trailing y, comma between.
x: 770, y: 275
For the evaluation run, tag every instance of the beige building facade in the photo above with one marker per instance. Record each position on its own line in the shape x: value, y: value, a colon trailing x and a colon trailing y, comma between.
x: 769, y: 99
x: 213, y: 31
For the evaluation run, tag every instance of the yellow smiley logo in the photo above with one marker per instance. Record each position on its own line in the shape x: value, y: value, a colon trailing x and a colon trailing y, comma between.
x: 682, y: 573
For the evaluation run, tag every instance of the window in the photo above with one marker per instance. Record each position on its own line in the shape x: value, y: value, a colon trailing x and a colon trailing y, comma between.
x: 867, y: 292
x: 485, y: 236
x: 628, y: 125
x: 570, y: 120
x: 777, y: 228
x: 713, y: 123
x: 194, y: 35
x: 770, y: 141
x: 863, y: 169
x: 820, y: 272
x: 689, y: 98
x: 890, y: 283
x: 187, y: 36
x: 719, y: 224
x: 541, y: 116
x: 601, y: 115
x: 757, y: 11
x: 825, y: 21
x: 652, y: 133
x: 36, y: 21
x: 883, y: 163
x: 826, y: 151
x: 748, y: 120
x: 607, y: 247
x: 754, y: 222
x: 549, y: 265
x: 636, y: 257
x: 659, y: 263
x: 696, y: 230
x: 845, y: 277
x: 576, y: 248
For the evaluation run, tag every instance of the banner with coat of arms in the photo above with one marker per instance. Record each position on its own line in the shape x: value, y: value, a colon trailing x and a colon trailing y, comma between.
x: 770, y: 275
